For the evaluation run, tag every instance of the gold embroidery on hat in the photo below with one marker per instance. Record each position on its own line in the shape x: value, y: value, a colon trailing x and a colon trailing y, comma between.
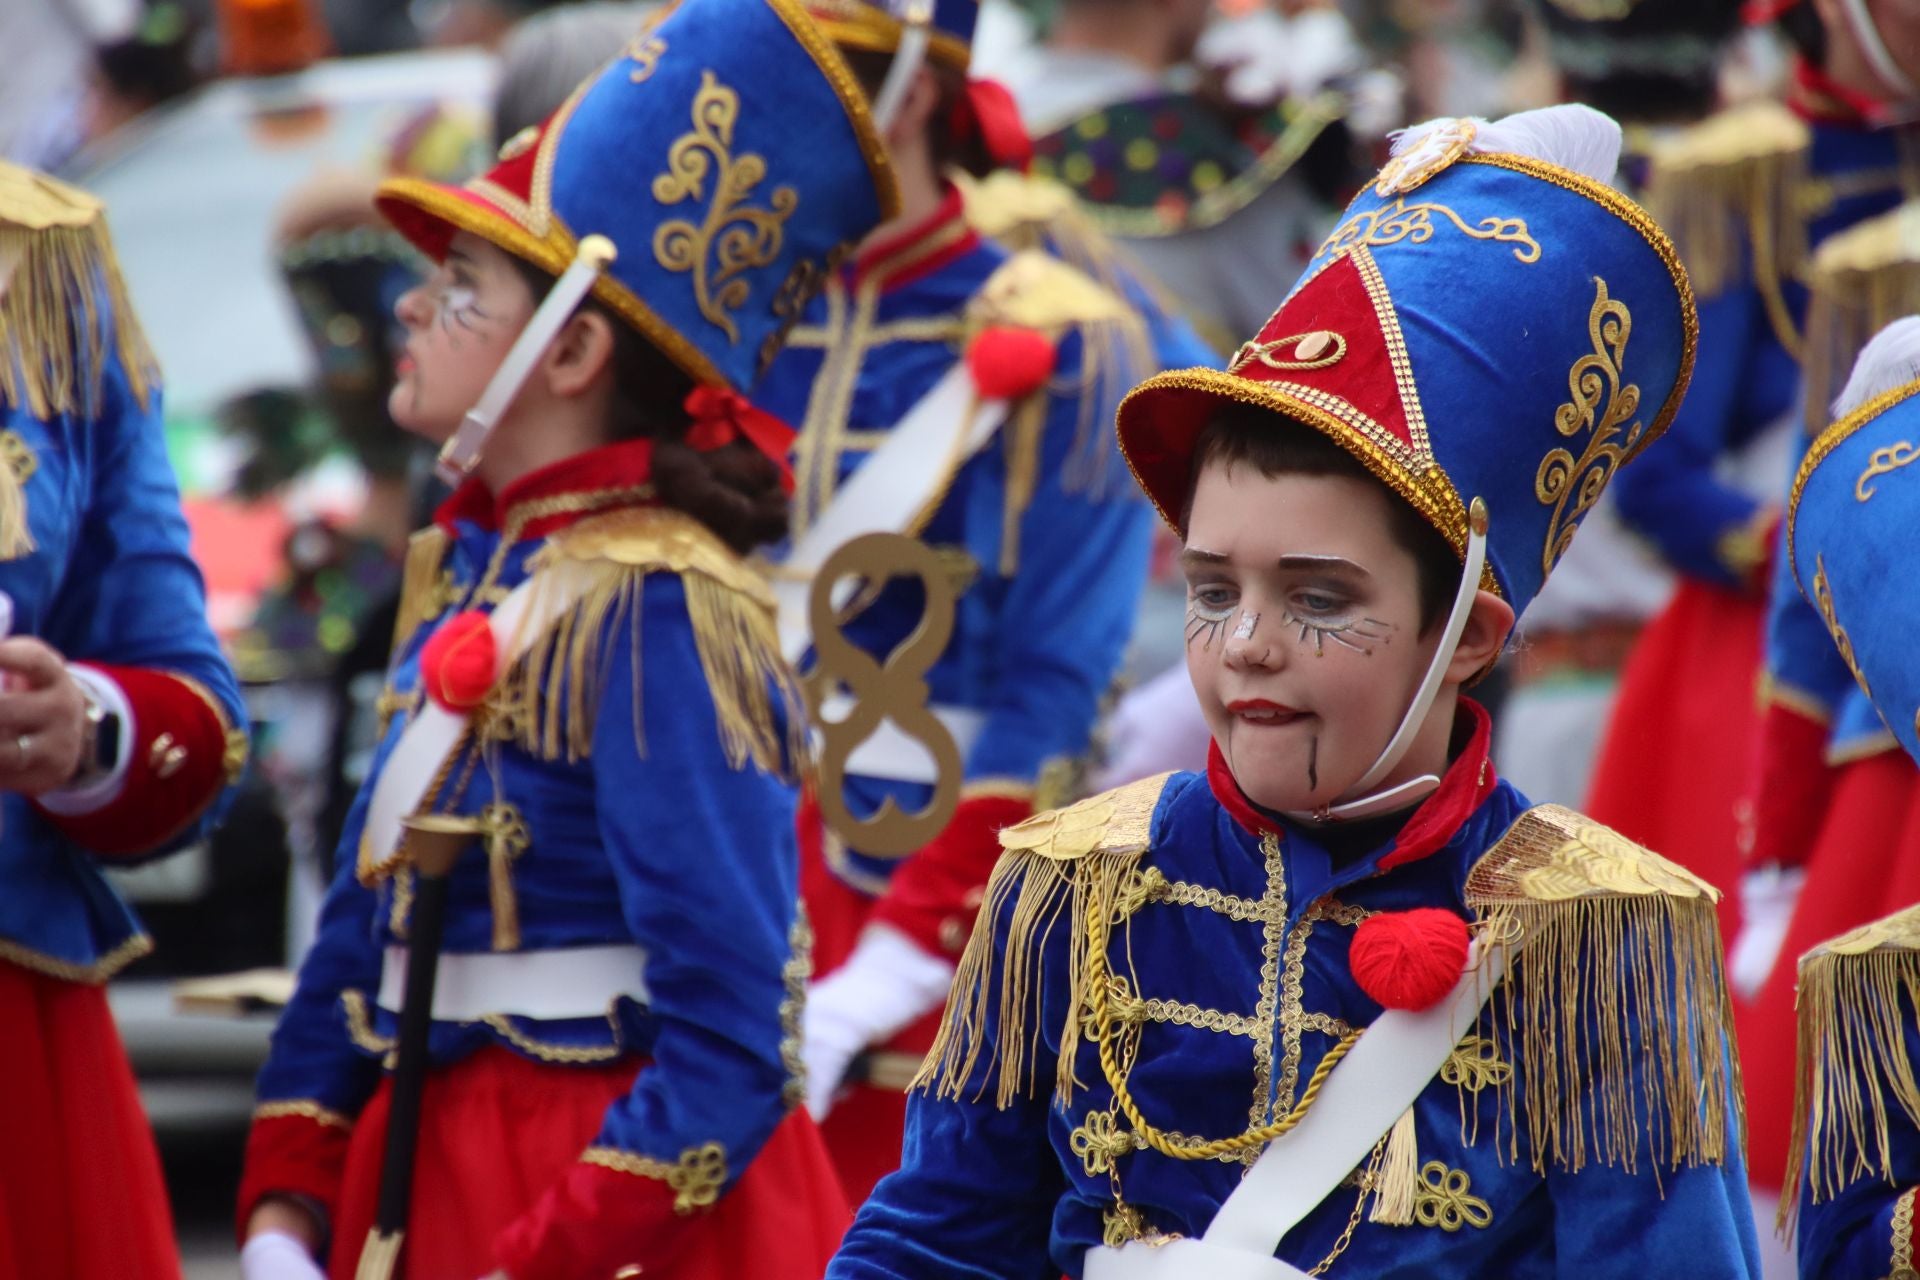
x: 732, y: 237
x: 1599, y: 392
x: 1823, y: 600
x: 1400, y: 221
x: 1438, y: 148
x: 645, y: 50
x: 1896, y: 455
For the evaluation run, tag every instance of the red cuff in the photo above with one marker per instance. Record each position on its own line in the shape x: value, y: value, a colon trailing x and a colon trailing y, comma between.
x: 594, y: 1222
x: 1792, y: 784
x: 293, y: 1154
x: 934, y: 897
x: 181, y: 753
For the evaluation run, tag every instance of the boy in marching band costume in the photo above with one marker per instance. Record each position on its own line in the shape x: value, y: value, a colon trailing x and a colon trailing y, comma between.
x: 1453, y: 1035
x: 1033, y: 521
x: 587, y: 680
x: 120, y: 728
x: 1855, y: 1169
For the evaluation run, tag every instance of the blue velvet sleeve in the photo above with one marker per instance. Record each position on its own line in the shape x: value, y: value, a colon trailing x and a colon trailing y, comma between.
x: 1742, y: 380
x: 705, y: 858
x: 132, y: 595
x: 313, y: 1058
x: 978, y: 1184
x: 1068, y: 611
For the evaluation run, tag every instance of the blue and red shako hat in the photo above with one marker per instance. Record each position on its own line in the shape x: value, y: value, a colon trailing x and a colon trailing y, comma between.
x: 1482, y: 326
x: 728, y: 154
x: 1851, y: 518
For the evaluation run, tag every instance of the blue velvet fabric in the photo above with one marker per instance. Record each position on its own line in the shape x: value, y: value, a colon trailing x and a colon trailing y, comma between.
x: 626, y: 848
x: 1851, y: 537
x: 110, y: 581
x: 1866, y: 167
x: 985, y: 1192
x: 1743, y: 381
x: 1034, y: 649
x: 718, y: 209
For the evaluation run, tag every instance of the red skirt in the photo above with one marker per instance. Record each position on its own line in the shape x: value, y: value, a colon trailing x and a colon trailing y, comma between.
x: 81, y: 1196
x: 1865, y: 864
x: 496, y: 1130
x: 866, y: 1127
x: 1676, y: 763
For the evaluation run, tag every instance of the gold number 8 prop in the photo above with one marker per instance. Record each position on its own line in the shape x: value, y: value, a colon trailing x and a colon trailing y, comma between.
x: 895, y: 690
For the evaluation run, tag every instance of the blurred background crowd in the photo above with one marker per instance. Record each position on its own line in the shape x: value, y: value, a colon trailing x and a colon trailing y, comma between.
x: 236, y: 144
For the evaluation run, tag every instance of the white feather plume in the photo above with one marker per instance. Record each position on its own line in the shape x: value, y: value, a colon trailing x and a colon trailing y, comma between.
x: 1891, y: 359
x: 1572, y: 136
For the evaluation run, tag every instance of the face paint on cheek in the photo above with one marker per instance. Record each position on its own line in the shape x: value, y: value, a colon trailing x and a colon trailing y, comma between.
x: 1313, y: 764
x: 1360, y: 636
x: 1248, y: 621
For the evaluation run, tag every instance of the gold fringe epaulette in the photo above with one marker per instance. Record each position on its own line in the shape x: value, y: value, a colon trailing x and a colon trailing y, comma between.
x: 425, y: 586
x: 1615, y: 1012
x: 1054, y: 870
x: 547, y: 702
x: 64, y: 309
x: 1858, y: 998
x: 1034, y: 290
x: 1731, y: 192
x: 1863, y: 279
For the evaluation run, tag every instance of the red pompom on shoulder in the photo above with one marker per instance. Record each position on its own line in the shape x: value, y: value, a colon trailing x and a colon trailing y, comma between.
x: 1409, y: 959
x: 459, y: 661
x: 1008, y: 362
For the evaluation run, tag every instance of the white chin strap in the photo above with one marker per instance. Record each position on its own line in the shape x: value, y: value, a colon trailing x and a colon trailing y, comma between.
x: 917, y: 23
x: 461, y: 454
x: 1364, y: 805
x: 1866, y: 34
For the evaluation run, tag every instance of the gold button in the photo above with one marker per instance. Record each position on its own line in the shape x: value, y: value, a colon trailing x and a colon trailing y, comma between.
x: 1313, y: 345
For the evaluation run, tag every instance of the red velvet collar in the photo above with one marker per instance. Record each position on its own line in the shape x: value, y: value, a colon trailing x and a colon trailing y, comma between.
x: 919, y: 250
x: 1468, y: 781
x: 544, y: 501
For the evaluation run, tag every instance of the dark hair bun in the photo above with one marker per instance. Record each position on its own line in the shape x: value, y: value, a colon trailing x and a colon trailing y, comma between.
x: 734, y: 490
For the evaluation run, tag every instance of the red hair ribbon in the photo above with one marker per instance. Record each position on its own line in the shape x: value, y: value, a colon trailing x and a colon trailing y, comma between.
x: 721, y: 416
x: 988, y: 110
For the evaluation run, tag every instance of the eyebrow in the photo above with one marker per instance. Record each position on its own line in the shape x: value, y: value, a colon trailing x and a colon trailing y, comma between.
x: 1336, y: 563
x: 1197, y: 555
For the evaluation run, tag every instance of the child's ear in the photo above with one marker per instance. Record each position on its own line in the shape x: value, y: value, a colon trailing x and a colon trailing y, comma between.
x: 1488, y: 624
x: 577, y: 356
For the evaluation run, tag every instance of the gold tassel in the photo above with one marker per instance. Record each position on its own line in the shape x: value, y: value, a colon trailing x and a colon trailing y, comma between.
x: 65, y: 311
x: 1399, y: 1175
x: 1729, y: 191
x: 551, y: 697
x: 1863, y: 279
x: 1615, y: 1011
x: 424, y: 586
x: 1001, y: 978
x: 506, y: 839
x: 1022, y: 442
x: 1856, y: 997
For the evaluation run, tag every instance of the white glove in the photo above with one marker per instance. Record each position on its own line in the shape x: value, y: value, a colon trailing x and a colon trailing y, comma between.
x: 275, y: 1255
x: 885, y: 986
x: 1767, y: 898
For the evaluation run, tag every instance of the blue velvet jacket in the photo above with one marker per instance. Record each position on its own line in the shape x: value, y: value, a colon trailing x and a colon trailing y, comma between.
x: 109, y: 582
x: 1043, y: 530
x: 639, y: 768
x: 1865, y: 172
x: 1859, y: 1036
x: 1226, y: 982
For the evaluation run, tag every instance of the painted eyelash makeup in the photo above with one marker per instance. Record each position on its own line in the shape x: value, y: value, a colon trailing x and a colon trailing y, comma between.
x: 459, y: 305
x: 1202, y: 627
x: 1359, y: 635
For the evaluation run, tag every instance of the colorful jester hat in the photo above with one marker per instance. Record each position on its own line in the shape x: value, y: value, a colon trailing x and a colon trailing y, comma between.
x: 1850, y: 524
x: 699, y: 186
x: 1492, y: 330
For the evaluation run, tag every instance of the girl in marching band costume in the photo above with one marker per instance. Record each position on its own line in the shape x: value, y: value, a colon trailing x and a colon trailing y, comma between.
x: 120, y: 728
x: 586, y: 679
x: 1452, y: 1034
x: 1855, y: 1168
